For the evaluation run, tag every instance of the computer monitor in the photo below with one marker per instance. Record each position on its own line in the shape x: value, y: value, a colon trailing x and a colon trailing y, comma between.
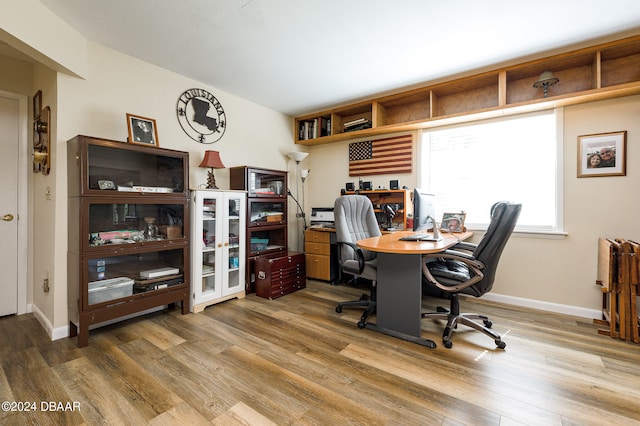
x: 424, y: 210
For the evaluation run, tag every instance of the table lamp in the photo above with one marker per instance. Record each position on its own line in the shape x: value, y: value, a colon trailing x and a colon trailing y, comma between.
x: 212, y: 161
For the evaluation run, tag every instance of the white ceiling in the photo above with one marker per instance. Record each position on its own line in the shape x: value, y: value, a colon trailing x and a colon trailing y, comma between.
x: 297, y: 56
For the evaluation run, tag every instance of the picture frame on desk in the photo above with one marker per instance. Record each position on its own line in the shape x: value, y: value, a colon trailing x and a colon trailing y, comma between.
x: 453, y: 222
x: 142, y: 130
x: 602, y: 154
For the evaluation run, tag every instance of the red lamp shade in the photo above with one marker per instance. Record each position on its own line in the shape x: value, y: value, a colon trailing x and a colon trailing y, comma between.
x: 212, y: 160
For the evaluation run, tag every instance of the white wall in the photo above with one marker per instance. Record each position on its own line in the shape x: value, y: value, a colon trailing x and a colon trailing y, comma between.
x: 554, y: 274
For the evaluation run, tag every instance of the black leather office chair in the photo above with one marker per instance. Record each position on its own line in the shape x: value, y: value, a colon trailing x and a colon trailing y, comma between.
x: 355, y: 220
x: 469, y: 269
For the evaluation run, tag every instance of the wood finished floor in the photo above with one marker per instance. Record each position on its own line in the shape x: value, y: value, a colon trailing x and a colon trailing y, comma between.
x: 295, y: 361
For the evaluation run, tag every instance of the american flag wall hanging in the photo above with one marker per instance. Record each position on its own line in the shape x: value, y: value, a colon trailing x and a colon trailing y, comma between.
x: 381, y: 156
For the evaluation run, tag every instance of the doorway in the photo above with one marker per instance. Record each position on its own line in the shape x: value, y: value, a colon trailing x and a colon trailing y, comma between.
x: 13, y: 212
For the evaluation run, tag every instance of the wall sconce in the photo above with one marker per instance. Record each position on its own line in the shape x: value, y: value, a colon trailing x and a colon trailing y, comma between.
x: 41, y: 139
x: 545, y: 80
x: 212, y: 161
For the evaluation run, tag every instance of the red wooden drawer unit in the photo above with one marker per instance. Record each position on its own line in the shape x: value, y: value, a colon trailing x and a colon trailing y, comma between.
x: 277, y: 276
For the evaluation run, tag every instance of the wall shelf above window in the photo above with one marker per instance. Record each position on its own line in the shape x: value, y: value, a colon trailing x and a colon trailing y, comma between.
x: 599, y: 72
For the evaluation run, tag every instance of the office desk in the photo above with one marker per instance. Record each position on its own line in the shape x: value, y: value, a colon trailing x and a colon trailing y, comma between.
x: 399, y: 283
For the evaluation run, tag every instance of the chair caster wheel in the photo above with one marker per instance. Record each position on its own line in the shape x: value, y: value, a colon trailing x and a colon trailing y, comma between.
x: 487, y: 323
x: 362, y: 324
x: 364, y: 297
x: 441, y: 309
x: 501, y: 344
x: 339, y: 309
x: 447, y: 344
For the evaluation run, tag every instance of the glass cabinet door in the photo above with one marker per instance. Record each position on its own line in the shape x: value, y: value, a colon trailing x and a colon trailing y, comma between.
x: 125, y: 222
x: 115, y: 277
x: 266, y: 183
x: 210, y: 257
x: 219, y: 245
x: 234, y: 250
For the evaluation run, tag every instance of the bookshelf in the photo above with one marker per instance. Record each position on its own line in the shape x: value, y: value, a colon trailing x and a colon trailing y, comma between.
x: 603, y: 71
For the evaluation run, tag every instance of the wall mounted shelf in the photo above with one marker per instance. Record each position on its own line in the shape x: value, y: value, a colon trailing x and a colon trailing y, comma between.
x: 595, y: 73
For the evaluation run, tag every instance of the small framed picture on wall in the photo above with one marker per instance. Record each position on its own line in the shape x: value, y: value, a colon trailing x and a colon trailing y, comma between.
x: 602, y: 154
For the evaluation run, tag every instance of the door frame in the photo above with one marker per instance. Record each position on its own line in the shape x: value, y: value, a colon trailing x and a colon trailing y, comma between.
x: 24, y: 162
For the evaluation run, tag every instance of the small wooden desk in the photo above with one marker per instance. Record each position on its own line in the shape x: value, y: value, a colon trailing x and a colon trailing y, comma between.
x: 399, y: 283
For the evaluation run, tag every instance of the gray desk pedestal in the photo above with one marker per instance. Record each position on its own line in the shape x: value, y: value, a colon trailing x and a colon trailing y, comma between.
x: 399, y: 297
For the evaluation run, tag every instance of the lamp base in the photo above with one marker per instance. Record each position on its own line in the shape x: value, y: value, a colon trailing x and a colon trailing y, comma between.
x: 211, y: 181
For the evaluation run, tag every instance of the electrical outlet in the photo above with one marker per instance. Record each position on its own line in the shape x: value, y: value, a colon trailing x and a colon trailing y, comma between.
x: 45, y: 285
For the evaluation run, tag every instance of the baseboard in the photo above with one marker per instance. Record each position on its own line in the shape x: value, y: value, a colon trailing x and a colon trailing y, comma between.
x: 54, y: 333
x: 63, y: 332
x: 543, y: 306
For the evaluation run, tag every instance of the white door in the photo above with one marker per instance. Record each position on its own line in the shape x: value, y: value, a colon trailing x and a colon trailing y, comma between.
x: 9, y: 123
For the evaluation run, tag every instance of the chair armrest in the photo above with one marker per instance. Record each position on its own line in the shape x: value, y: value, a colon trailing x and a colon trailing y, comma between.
x: 463, y: 245
x: 359, y: 254
x: 474, y: 265
x: 456, y: 255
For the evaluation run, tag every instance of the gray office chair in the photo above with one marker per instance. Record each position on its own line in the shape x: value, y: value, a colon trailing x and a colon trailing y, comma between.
x: 469, y: 269
x: 355, y: 220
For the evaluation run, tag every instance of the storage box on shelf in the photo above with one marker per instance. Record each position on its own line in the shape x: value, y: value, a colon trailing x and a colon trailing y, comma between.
x: 602, y: 71
x: 266, y: 230
x: 119, y: 260
x: 218, y: 247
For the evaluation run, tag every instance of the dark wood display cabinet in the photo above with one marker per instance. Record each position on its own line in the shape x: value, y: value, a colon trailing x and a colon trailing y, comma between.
x: 129, y: 227
x: 266, y: 213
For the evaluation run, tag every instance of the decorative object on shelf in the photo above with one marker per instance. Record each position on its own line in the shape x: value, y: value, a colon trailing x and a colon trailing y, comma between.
x: 212, y: 161
x: 546, y: 80
x: 201, y: 116
x: 142, y: 130
x: 41, y: 140
x: 602, y: 154
x: 381, y: 156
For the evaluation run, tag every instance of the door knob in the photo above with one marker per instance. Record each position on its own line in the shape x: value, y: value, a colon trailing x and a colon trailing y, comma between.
x: 7, y: 217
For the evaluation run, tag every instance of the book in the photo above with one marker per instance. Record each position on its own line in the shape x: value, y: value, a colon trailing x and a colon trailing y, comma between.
x: 355, y: 122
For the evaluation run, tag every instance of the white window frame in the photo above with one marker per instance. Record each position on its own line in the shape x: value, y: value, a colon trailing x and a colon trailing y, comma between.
x: 556, y: 231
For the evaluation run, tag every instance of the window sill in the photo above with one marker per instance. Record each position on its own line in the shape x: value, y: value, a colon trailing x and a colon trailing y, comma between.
x: 549, y: 235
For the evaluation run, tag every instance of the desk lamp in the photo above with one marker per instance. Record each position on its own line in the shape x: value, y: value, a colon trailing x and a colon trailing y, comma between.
x: 545, y: 80
x: 212, y: 160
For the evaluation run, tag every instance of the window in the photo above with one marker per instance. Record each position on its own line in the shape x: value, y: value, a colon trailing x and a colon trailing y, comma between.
x: 517, y: 158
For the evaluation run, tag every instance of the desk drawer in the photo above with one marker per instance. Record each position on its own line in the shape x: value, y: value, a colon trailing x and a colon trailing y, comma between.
x: 318, y: 266
x: 317, y: 248
x: 317, y: 236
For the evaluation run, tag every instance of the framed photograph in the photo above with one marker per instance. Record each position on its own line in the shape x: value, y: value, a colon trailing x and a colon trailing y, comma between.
x: 142, y: 130
x: 37, y: 104
x: 453, y: 222
x: 602, y: 154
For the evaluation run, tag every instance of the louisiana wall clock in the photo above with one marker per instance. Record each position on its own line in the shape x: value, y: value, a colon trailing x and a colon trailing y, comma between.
x: 201, y: 116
